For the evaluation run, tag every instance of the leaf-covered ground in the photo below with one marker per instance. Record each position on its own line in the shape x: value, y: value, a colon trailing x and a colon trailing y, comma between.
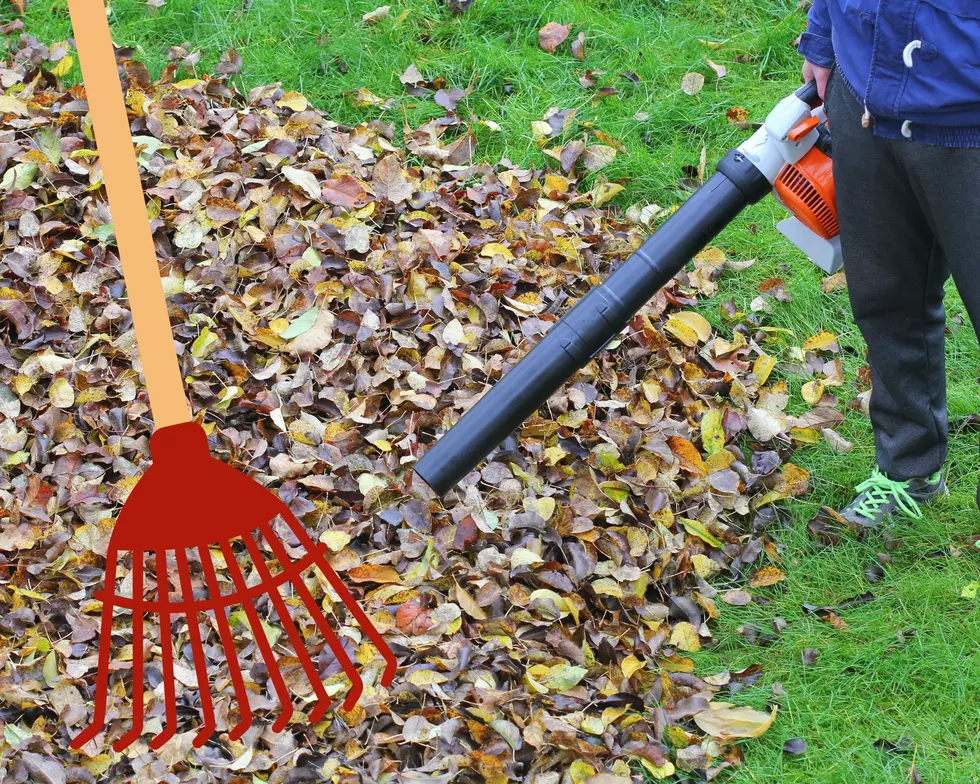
x: 910, y: 642
x: 339, y: 295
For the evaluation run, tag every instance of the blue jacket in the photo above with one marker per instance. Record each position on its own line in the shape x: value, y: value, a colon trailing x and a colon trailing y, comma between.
x: 913, y: 64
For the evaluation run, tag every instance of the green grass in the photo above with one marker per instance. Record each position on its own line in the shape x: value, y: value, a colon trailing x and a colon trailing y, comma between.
x: 875, y: 680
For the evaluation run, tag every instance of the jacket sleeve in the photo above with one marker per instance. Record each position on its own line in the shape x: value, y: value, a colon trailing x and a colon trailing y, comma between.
x: 815, y: 44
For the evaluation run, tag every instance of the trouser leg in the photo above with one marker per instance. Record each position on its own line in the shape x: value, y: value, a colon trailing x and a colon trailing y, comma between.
x: 946, y: 182
x: 895, y: 269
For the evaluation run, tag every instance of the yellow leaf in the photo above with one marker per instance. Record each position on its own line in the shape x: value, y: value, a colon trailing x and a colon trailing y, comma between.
x: 375, y: 16
x: 374, y: 573
x: 609, y: 715
x: 792, y: 482
x: 692, y: 83
x: 805, y: 435
x: 423, y: 678
x: 821, y: 341
x: 556, y: 598
x: 96, y: 765
x: 699, y: 530
x: 714, y: 256
x: 704, y: 566
x: 763, y: 367
x: 605, y: 192
x: 50, y: 669
x: 727, y: 723
x: 61, y: 394
x: 718, y: 461
x: 555, y: 183
x: 766, y: 576
x: 652, y: 390
x: 553, y: 455
x: 712, y: 432
x: 541, y: 131
x: 563, y: 677
x: 594, y: 725
x: 658, y: 772
x: 293, y: 100
x: 63, y: 66
x: 597, y: 156
x: 688, y: 327
x: 335, y: 540
x: 524, y: 557
x: 492, y: 249
x: 11, y: 105
x: 468, y: 604
x: 607, y: 586
x: 364, y: 97
x: 813, y: 391
x: 543, y: 507
x: 685, y: 637
x: 204, y: 343
x: 454, y: 333
x: 631, y: 665
x: 228, y: 395
x: 532, y: 676
x: 695, y: 321
x: 579, y: 772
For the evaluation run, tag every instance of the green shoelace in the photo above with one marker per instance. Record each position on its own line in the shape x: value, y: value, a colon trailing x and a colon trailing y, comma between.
x: 879, y: 490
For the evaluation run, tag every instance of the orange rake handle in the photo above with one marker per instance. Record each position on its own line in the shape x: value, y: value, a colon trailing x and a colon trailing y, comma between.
x: 137, y: 254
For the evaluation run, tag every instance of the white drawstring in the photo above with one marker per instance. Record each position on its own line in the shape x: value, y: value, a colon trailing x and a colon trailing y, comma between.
x: 907, y: 58
x: 907, y: 125
x: 907, y: 54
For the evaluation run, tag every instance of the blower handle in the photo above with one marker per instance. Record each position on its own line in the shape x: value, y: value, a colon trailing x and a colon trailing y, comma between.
x: 809, y: 93
x: 595, y: 320
x: 130, y: 223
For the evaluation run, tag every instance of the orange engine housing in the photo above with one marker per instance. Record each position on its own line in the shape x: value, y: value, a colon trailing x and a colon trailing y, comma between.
x: 807, y: 190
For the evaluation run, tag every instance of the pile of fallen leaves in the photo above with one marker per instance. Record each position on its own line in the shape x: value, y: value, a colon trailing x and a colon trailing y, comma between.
x: 340, y: 296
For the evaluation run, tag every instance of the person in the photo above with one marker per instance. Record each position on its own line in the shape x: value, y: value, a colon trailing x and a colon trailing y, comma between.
x: 901, y: 85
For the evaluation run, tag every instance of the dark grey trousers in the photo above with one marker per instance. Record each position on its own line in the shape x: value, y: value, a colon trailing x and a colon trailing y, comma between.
x: 909, y: 216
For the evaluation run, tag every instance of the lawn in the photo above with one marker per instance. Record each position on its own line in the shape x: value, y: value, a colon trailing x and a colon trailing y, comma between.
x: 896, y: 688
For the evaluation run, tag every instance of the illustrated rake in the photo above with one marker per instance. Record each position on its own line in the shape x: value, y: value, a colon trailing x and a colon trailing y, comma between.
x: 156, y: 533
x: 189, y: 502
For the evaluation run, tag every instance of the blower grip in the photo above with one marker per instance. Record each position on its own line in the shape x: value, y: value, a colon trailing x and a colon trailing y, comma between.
x: 592, y: 323
x: 809, y: 93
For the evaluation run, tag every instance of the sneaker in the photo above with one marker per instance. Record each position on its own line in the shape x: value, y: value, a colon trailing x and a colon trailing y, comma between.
x: 879, y: 497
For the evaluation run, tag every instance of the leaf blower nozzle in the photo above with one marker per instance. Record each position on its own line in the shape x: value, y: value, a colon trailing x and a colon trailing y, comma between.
x: 593, y: 322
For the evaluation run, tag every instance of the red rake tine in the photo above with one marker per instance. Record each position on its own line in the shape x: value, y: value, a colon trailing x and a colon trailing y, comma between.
x: 167, y: 652
x: 228, y: 644
x: 391, y: 664
x: 138, y: 651
x: 197, y: 650
x: 357, y: 684
x: 102, y: 670
x: 291, y: 631
x: 258, y: 634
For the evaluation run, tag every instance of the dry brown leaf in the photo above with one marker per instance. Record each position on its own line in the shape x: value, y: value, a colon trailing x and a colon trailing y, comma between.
x: 551, y: 36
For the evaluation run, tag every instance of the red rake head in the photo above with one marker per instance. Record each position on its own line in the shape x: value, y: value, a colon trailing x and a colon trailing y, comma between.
x: 186, y: 505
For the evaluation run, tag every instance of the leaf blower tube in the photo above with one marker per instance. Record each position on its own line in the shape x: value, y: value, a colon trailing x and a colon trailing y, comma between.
x: 594, y: 321
x: 789, y: 153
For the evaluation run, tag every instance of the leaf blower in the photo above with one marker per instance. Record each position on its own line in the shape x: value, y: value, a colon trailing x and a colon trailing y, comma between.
x: 789, y: 155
